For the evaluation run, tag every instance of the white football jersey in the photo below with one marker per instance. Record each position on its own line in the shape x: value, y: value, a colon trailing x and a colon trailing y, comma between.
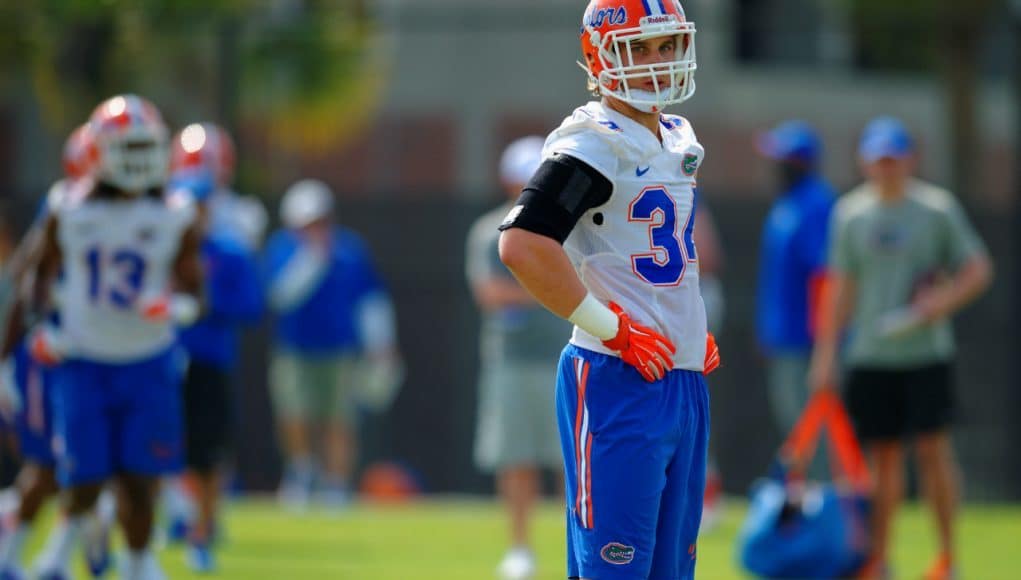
x: 638, y: 248
x: 115, y: 253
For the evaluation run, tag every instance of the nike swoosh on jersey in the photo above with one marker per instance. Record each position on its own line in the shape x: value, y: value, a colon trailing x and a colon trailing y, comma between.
x: 640, y: 172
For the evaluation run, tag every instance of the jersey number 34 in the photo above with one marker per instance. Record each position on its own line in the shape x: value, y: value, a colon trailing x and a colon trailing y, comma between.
x: 671, y: 250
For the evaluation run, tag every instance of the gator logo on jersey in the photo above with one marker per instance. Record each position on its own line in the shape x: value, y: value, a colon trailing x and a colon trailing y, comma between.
x: 618, y: 554
x: 690, y: 164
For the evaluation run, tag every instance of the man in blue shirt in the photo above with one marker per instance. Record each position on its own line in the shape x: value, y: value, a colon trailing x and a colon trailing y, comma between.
x: 331, y: 309
x: 792, y: 264
x: 233, y: 296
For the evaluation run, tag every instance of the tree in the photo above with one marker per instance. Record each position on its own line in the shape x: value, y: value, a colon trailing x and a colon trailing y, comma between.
x: 289, y: 65
x: 939, y: 36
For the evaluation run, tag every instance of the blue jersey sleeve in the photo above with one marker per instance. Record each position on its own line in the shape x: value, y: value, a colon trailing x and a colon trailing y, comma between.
x: 813, y: 238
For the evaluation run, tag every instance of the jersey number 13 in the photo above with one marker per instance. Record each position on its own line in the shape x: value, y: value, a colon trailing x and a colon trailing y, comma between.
x: 116, y: 276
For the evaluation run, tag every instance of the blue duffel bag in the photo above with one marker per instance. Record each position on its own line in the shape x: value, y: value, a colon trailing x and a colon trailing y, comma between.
x: 798, y: 529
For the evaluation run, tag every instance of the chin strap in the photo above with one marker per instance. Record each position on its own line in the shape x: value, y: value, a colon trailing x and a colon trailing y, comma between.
x: 645, y: 107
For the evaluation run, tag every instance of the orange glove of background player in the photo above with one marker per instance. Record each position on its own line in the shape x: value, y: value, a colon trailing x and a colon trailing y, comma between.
x: 46, y: 346
x: 641, y: 347
x: 181, y: 309
x: 712, y: 354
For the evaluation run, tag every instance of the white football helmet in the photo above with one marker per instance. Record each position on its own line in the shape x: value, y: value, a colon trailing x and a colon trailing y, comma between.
x: 132, y: 142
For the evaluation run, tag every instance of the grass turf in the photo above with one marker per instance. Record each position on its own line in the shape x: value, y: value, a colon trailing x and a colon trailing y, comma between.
x: 454, y: 539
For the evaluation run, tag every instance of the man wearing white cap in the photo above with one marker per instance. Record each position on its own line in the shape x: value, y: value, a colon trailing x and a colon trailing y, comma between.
x: 332, y: 309
x: 520, y: 344
x: 903, y: 259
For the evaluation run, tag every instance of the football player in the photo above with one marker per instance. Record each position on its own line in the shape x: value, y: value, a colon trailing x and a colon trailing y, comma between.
x: 603, y: 235
x: 233, y: 291
x: 128, y: 258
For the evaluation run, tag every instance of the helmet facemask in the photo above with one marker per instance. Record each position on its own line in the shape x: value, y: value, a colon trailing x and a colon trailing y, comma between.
x: 135, y: 159
x: 620, y: 78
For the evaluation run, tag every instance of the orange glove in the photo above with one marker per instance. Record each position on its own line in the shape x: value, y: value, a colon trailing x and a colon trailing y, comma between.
x: 641, y: 347
x: 46, y: 346
x: 712, y: 354
x: 181, y: 309
x: 155, y: 309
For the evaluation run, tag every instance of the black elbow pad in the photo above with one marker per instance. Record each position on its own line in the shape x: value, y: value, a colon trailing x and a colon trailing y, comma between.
x: 560, y: 192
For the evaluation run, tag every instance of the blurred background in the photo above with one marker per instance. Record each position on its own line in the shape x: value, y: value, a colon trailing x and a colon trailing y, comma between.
x: 403, y: 107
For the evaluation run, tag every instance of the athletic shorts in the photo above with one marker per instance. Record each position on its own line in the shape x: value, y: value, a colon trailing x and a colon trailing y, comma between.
x: 34, y: 421
x: 635, y: 460
x: 891, y: 404
x: 208, y: 416
x: 517, y: 423
x: 316, y: 388
x: 117, y: 418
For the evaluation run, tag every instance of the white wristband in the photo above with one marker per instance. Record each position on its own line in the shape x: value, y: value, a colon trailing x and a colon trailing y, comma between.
x: 595, y: 318
x: 184, y: 309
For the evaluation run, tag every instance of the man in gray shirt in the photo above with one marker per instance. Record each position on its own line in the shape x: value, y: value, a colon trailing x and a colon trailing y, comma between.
x: 520, y: 345
x: 903, y: 259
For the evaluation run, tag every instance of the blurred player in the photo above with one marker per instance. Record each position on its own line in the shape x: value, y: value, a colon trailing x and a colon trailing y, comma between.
x: 332, y: 309
x: 710, y: 270
x: 516, y: 434
x: 128, y: 258
x: 711, y: 260
x: 208, y: 146
x: 233, y: 297
x: 792, y: 265
x: 207, y: 149
x: 903, y: 260
x: 602, y: 235
x: 30, y: 380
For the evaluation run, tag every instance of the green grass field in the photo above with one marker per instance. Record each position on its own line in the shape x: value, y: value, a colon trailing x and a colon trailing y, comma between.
x: 458, y: 539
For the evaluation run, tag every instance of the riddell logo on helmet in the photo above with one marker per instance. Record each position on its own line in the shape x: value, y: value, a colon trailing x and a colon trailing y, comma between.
x: 611, y: 16
x: 661, y: 19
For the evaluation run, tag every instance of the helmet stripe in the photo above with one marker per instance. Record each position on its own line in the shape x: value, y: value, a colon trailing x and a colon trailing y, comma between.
x: 132, y: 110
x: 648, y: 11
x: 662, y: 8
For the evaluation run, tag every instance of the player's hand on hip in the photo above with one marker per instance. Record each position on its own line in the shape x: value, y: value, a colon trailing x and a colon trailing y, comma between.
x: 712, y: 354
x: 641, y: 347
x: 47, y: 346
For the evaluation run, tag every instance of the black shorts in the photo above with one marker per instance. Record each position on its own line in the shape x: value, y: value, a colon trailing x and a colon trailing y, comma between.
x: 891, y: 404
x: 207, y: 416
